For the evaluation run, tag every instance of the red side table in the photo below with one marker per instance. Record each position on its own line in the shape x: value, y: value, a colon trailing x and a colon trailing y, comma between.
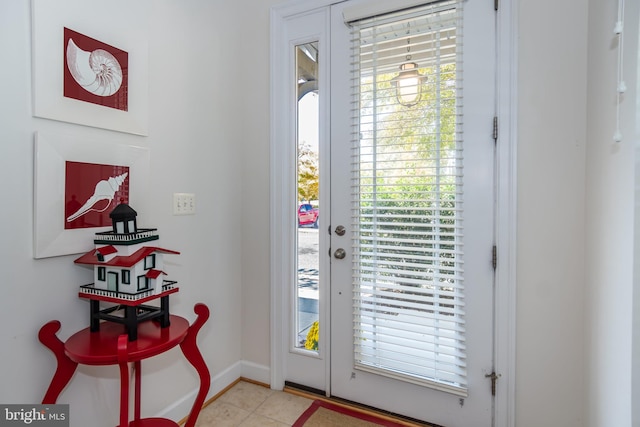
x: 110, y: 346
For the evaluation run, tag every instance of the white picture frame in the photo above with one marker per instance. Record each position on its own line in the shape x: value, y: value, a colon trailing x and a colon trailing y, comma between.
x: 51, y: 152
x: 122, y: 24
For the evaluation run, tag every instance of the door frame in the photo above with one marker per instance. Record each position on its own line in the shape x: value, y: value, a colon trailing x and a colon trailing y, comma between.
x: 283, y: 170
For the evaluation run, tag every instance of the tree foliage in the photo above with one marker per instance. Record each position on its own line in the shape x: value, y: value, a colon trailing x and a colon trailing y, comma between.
x: 308, y: 173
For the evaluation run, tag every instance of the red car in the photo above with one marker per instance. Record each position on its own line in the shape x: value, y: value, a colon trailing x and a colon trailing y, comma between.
x: 308, y: 215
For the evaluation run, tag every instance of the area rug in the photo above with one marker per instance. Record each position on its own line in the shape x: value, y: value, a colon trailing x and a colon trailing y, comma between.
x: 325, y: 414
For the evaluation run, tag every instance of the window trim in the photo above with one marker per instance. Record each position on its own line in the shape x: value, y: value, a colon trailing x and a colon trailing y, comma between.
x: 150, y: 261
x: 144, y: 280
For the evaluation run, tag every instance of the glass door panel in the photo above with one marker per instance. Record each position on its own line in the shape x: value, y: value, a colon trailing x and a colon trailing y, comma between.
x: 308, y: 185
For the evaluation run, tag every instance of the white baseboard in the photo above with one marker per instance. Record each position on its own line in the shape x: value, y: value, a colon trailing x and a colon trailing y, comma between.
x: 252, y: 371
x: 255, y: 372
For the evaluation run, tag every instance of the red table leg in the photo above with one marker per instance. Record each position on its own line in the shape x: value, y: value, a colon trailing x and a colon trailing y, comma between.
x: 138, y: 370
x: 66, y: 367
x: 123, y: 341
x: 190, y: 350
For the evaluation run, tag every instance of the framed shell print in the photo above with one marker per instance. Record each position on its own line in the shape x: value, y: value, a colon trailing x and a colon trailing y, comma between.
x: 77, y: 183
x: 91, y: 68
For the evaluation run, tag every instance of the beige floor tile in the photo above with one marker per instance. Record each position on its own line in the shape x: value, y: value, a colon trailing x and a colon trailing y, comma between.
x: 283, y: 407
x: 250, y: 405
x: 221, y: 414
x: 259, y: 421
x: 246, y: 396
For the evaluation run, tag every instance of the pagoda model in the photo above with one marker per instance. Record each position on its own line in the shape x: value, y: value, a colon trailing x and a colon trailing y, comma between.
x: 128, y: 273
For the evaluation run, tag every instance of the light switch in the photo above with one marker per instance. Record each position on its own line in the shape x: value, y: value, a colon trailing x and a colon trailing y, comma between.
x: 184, y: 203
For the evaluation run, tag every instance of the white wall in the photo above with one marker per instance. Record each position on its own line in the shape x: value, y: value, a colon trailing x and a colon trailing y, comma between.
x: 552, y: 87
x: 632, y: 74
x: 195, y: 146
x: 610, y: 216
x: 253, y: 38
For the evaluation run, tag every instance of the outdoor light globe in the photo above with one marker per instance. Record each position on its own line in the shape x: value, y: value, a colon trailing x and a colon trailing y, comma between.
x: 408, y: 84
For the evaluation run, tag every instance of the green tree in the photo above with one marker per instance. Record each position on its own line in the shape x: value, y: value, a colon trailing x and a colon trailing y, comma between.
x: 308, y: 175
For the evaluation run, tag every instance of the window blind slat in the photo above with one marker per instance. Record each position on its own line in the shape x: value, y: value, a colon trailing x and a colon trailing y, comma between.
x: 415, y: 278
x: 423, y: 340
x: 393, y: 348
x: 408, y: 284
x: 413, y: 354
x: 443, y: 253
x: 424, y: 323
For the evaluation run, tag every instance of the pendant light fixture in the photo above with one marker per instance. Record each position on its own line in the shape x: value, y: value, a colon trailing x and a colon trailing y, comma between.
x: 408, y: 83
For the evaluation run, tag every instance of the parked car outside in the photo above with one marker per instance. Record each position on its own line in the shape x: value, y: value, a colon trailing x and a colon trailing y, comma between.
x: 308, y: 215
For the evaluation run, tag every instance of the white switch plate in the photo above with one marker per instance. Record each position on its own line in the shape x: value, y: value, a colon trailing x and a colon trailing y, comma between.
x: 184, y: 204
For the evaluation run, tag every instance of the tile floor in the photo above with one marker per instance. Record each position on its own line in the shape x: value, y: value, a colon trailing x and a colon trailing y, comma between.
x: 252, y: 405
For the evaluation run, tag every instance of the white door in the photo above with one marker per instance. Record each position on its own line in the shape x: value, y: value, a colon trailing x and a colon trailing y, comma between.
x: 375, y: 318
x: 412, y: 188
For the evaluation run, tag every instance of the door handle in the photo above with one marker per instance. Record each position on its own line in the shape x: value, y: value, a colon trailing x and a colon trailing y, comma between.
x: 340, y: 253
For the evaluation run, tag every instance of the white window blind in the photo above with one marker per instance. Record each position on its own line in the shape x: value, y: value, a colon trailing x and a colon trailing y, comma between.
x: 407, y: 211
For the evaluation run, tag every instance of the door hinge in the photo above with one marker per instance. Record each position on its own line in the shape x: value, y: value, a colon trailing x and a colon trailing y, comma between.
x: 494, y: 378
x: 495, y: 129
x: 494, y: 257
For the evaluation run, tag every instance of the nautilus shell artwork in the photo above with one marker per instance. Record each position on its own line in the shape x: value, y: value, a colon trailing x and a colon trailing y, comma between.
x: 94, y: 71
x: 105, y: 190
x: 98, y: 71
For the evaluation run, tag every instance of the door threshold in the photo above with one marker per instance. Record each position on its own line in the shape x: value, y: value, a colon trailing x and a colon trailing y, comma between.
x: 295, y: 387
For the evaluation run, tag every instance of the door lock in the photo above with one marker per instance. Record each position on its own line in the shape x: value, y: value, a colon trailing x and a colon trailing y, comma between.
x: 340, y: 230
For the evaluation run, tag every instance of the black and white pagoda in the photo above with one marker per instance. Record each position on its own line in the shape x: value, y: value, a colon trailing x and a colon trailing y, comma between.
x: 128, y: 272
